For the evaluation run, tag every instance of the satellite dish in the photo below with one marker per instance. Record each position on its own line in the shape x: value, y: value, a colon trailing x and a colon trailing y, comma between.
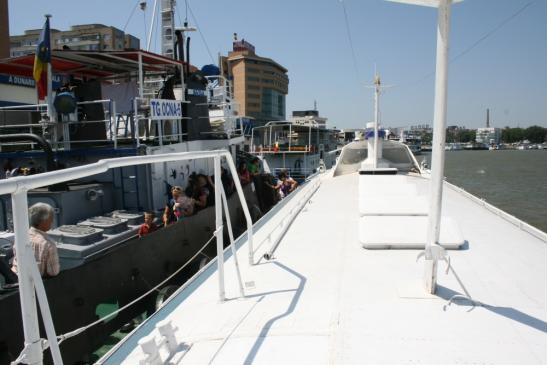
x: 64, y: 103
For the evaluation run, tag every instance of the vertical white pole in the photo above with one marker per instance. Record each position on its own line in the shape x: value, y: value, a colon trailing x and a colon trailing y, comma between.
x: 376, y: 112
x: 114, y: 118
x: 244, y: 206
x: 219, y: 230
x: 26, y: 283
x: 49, y: 93
x: 439, y: 134
x: 49, y: 97
x: 232, y: 245
x: 141, y: 77
x: 290, y: 134
x: 136, y: 121
x: 152, y: 26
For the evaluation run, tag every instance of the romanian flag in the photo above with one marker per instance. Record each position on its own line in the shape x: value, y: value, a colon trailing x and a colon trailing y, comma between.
x: 42, y: 58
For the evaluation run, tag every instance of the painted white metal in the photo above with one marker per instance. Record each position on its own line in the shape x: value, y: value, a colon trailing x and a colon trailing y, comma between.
x: 430, y: 3
x: 18, y: 187
x: 325, y: 300
x: 141, y: 78
x: 232, y: 244
x: 434, y: 252
x: 219, y: 229
x: 153, y: 21
x: 285, y: 223
x: 246, y: 212
x: 33, y: 344
x: 167, y: 331
x: 376, y: 116
x: 437, y: 158
x: 50, y: 111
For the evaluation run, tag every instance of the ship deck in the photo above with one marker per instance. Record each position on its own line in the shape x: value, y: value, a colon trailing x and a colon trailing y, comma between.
x: 325, y: 299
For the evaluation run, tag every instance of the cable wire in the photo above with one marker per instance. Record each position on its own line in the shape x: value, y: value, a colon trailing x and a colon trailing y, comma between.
x: 200, y: 33
x: 77, y: 331
x: 348, y: 31
x: 476, y: 43
x: 131, y: 15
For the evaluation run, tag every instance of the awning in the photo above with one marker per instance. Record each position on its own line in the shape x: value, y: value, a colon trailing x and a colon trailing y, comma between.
x: 93, y: 64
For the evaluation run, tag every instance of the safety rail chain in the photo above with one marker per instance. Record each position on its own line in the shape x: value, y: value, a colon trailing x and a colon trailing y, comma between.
x: 31, y: 286
x: 77, y: 331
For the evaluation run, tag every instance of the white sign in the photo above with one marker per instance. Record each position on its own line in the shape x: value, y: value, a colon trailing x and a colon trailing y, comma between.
x: 165, y: 109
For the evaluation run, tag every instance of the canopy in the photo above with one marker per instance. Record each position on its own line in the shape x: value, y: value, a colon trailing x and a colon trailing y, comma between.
x: 92, y: 64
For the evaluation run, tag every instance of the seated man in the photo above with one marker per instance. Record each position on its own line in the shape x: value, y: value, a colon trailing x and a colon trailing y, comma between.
x: 45, y: 250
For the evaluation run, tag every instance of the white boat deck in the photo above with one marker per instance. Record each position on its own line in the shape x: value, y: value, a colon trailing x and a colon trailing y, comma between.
x: 325, y: 299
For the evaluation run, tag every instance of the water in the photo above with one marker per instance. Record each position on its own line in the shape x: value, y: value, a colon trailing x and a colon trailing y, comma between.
x: 515, y: 181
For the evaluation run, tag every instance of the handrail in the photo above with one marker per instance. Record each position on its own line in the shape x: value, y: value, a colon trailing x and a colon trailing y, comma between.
x: 30, y: 281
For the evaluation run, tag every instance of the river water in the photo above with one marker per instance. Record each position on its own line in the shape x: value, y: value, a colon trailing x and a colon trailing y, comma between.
x: 512, y: 180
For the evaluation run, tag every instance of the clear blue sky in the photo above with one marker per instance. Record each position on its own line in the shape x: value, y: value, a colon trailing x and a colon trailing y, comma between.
x: 507, y: 72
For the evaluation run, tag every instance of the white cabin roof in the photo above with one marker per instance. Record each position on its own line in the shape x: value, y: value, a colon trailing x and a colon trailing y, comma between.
x: 324, y: 299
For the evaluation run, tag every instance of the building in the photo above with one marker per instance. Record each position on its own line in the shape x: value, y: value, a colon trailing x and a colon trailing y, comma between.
x: 4, y: 29
x: 308, y: 118
x: 260, y: 84
x: 490, y: 136
x: 92, y: 37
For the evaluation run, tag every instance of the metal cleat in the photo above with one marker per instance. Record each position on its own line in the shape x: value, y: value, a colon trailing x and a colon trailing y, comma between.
x: 151, y: 350
x: 167, y: 331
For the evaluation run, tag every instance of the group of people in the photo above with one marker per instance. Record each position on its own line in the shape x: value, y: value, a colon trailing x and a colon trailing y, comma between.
x: 198, y: 195
x: 183, y: 203
x: 283, y: 184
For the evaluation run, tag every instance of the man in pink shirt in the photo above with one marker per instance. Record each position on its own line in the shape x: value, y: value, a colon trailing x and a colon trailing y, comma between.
x: 45, y: 250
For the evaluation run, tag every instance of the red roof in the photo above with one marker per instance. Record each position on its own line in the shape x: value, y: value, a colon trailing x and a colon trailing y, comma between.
x: 92, y: 64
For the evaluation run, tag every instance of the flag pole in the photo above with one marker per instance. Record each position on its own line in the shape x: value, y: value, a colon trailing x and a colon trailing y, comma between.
x: 49, y: 95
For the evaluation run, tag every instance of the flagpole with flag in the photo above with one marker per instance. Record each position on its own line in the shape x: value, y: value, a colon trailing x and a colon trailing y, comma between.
x: 42, y: 67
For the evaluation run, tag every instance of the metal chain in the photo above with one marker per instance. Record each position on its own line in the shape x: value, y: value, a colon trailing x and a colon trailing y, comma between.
x: 77, y: 331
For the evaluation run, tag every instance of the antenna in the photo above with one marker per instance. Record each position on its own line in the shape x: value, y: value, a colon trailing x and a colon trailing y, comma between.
x: 315, y: 105
x: 377, y: 86
x: 487, y: 118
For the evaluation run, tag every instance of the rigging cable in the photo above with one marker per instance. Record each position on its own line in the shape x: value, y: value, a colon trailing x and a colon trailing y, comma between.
x: 200, y: 33
x: 144, y: 20
x: 131, y: 15
x: 348, y: 31
x: 476, y: 43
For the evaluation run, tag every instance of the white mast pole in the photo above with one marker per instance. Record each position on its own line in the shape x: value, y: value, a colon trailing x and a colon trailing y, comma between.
x: 433, y: 251
x: 376, y: 114
x: 151, y: 26
x: 437, y: 158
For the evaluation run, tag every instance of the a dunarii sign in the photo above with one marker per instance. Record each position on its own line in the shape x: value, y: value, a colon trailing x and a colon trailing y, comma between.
x: 161, y: 109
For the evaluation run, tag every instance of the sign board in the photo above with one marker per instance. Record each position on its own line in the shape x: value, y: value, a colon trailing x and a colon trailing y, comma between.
x: 165, y: 109
x: 27, y: 81
x: 196, y: 92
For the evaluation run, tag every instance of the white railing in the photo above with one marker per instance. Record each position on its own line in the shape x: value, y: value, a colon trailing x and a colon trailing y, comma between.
x: 133, y: 127
x: 141, y: 120
x: 284, y: 221
x: 31, y: 286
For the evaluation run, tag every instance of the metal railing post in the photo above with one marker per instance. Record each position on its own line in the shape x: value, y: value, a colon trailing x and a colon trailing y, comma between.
x: 244, y: 206
x: 33, y: 344
x: 136, y: 122
x: 115, y: 116
x: 219, y: 229
x: 232, y: 245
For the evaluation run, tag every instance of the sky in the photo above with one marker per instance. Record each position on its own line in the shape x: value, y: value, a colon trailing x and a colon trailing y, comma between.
x: 506, y: 72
